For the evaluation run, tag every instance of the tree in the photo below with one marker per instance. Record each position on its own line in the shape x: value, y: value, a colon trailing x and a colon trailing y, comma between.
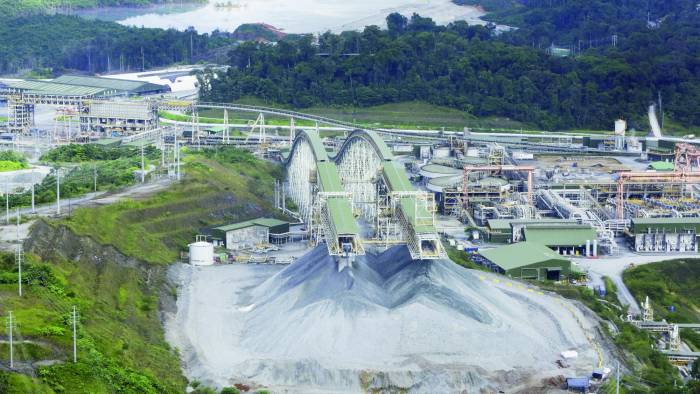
x: 396, y: 23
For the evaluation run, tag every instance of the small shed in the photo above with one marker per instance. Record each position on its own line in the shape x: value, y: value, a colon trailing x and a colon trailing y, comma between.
x: 526, y: 260
x: 250, y: 233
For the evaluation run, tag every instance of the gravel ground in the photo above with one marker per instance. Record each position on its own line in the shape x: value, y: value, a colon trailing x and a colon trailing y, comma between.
x: 386, y: 322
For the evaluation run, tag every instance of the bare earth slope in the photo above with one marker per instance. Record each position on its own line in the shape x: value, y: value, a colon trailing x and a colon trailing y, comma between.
x: 386, y: 322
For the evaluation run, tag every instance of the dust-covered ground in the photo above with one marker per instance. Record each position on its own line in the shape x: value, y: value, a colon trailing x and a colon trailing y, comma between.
x: 387, y: 322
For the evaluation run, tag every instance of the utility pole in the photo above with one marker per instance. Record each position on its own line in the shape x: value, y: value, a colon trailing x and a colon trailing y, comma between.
x: 75, y: 342
x: 177, y: 158
x: 7, y: 205
x: 33, y: 207
x: 18, y: 220
x: 143, y: 165
x: 617, y: 379
x: 58, y: 191
x: 10, y: 326
x: 19, y: 265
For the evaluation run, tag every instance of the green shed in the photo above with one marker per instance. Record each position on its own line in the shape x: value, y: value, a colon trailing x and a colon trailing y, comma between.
x: 527, y: 260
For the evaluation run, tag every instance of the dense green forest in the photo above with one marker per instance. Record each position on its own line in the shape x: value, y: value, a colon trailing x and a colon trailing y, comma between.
x: 471, y: 69
x: 23, y: 7
x: 59, y: 42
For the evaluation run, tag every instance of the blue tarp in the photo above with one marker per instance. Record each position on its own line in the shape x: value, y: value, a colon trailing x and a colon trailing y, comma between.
x: 578, y: 383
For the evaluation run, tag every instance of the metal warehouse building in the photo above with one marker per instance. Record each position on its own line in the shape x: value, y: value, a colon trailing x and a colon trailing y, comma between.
x: 566, y: 239
x: 250, y: 233
x: 526, y: 260
x: 565, y: 236
x: 665, y: 234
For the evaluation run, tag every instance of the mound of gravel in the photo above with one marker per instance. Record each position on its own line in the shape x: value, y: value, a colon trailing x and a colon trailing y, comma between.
x: 387, y: 322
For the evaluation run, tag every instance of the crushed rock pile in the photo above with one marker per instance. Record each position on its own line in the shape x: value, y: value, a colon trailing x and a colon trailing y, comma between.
x: 386, y: 322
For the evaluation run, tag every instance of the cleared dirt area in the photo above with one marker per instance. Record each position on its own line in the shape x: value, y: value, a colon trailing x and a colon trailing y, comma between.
x: 594, y: 163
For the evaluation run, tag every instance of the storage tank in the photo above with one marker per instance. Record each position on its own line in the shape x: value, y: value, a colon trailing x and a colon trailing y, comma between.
x: 201, y: 252
x: 620, y: 127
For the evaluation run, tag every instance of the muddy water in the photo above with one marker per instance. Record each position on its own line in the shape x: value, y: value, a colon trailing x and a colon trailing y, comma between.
x: 298, y: 16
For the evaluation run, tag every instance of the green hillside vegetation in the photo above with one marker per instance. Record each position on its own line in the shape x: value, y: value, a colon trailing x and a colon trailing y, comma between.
x: 649, y: 370
x: 121, y: 348
x: 79, y: 163
x: 120, y: 340
x: 402, y: 115
x: 11, y: 161
x: 15, y: 7
x: 482, y: 74
x: 51, y: 44
x: 669, y: 283
x: 222, y: 186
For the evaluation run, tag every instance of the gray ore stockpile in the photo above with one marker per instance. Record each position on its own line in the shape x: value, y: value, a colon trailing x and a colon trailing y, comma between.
x: 387, y: 322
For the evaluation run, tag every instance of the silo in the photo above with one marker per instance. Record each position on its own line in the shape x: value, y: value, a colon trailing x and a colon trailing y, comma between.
x: 201, y: 252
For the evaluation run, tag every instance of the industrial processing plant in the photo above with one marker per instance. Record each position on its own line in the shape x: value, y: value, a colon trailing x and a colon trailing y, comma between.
x: 364, y: 223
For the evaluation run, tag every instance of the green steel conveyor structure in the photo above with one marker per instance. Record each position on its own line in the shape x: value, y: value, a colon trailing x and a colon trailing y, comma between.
x: 362, y: 177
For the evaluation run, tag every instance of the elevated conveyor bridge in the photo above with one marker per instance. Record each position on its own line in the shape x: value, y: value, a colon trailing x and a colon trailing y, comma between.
x: 363, y: 179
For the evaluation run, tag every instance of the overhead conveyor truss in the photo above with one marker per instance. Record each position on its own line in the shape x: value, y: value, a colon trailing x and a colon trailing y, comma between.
x: 330, y: 191
x: 380, y: 189
x: 315, y: 187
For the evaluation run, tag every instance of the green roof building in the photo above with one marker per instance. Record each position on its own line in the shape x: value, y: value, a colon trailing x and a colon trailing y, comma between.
x: 84, y: 86
x: 526, y: 260
x: 663, y: 235
x: 250, y: 233
x: 564, y: 236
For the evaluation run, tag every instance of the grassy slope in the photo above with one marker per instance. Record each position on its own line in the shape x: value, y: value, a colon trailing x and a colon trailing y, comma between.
x: 669, y: 283
x: 155, y: 230
x: 411, y: 115
x: 121, y: 340
x: 120, y: 343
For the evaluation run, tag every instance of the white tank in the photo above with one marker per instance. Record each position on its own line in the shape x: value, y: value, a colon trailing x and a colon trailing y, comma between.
x: 620, y: 127
x: 201, y: 253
